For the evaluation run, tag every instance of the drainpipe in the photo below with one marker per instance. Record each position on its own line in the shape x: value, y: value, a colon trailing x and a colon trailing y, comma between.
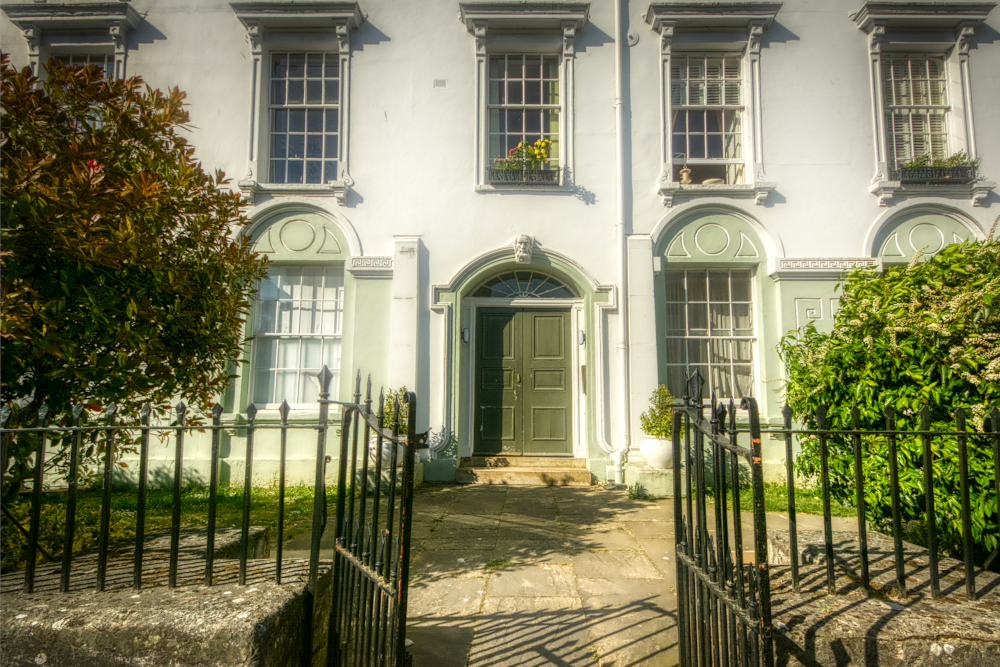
x: 618, y: 457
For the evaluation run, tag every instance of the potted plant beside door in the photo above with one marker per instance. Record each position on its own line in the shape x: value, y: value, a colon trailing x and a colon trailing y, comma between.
x: 657, y: 423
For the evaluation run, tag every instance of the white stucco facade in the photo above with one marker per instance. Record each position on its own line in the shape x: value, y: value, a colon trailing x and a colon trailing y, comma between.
x: 416, y: 226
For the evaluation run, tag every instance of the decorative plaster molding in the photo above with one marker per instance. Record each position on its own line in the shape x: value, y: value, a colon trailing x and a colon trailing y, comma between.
x: 825, y: 268
x: 755, y: 32
x: 370, y: 267
x: 758, y: 191
x: 976, y: 191
x: 251, y: 189
x: 965, y: 34
x: 875, y: 39
x: 523, y: 245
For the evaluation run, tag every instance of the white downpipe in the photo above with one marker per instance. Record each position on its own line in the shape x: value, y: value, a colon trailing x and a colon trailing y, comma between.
x: 618, y: 457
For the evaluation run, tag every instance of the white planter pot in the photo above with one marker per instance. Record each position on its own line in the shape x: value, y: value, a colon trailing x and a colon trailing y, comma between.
x: 387, y: 453
x: 658, y: 453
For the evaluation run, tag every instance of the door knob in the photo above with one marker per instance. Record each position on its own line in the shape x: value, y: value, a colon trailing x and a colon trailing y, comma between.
x: 519, y: 378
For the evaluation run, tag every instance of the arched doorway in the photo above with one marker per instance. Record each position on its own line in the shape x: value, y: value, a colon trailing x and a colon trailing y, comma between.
x: 523, y: 366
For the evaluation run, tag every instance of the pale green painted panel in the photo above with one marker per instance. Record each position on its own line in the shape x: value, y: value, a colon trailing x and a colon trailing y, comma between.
x: 909, y: 233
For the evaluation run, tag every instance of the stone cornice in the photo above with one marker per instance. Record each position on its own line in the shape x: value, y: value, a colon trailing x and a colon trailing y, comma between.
x: 942, y: 15
x: 524, y: 15
x: 711, y: 15
x: 76, y: 17
x: 300, y: 14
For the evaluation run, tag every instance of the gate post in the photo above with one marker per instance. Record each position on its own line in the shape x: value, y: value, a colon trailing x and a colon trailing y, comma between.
x: 406, y: 518
x: 760, y: 532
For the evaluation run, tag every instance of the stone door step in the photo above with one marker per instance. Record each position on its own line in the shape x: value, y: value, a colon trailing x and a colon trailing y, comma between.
x: 522, y: 476
x: 555, y: 462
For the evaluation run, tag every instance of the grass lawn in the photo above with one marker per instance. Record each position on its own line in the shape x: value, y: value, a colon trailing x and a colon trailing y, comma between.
x: 807, y: 501
x: 159, y: 509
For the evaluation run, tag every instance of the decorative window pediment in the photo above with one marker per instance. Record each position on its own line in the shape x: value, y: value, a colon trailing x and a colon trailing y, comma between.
x: 78, y: 28
x: 921, y: 94
x: 300, y: 108
x: 519, y: 16
x: 524, y: 82
x: 710, y: 81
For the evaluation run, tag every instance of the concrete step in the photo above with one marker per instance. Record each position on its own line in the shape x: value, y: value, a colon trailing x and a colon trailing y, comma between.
x: 560, y: 462
x: 523, y: 476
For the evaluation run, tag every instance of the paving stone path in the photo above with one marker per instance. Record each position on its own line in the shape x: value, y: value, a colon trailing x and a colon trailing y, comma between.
x: 541, y: 576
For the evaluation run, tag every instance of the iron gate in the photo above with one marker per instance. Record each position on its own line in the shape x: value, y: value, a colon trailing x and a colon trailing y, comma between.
x: 372, y: 552
x: 723, y: 603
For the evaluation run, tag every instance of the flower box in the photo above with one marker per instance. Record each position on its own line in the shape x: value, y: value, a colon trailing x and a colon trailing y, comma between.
x: 524, y: 176
x: 934, y: 175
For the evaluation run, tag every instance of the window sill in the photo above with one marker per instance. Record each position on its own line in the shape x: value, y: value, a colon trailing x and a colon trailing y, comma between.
x: 671, y: 191
x: 251, y: 189
x: 976, y: 191
x: 524, y: 188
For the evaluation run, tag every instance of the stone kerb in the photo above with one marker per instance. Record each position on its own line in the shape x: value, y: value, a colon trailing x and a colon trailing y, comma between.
x: 262, y: 623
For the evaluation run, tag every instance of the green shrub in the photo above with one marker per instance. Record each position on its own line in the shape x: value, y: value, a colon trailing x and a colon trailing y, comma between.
x: 926, y: 334
x: 657, y: 421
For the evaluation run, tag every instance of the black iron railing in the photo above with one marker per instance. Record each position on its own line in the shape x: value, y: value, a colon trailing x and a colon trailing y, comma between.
x: 370, y: 570
x: 724, y: 606
x: 854, y: 438
x: 933, y: 175
x: 523, y: 176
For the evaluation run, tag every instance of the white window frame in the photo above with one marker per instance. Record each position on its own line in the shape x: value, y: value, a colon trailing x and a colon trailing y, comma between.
x: 891, y: 105
x: 506, y: 105
x: 681, y: 154
x: 260, y: 336
x: 688, y: 336
x: 520, y: 28
x: 324, y: 106
x: 911, y: 28
x: 699, y: 28
x: 284, y: 26
x: 86, y: 30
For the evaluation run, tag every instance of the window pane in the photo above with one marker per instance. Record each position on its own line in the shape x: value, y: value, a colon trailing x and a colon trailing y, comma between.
x: 697, y: 351
x: 676, y: 351
x: 696, y: 290
x: 675, y: 319
x: 718, y: 286
x: 674, y: 281
x: 720, y: 319
x: 288, y: 353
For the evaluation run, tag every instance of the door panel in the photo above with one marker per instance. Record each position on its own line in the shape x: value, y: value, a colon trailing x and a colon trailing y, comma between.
x: 548, y: 402
x: 523, y: 403
x: 498, y: 413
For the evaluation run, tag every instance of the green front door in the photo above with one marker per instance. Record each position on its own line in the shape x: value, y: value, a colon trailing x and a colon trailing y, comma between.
x: 523, y: 404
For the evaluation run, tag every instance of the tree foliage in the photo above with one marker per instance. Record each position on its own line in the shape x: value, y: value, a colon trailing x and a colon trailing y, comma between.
x: 121, y: 281
x: 926, y: 334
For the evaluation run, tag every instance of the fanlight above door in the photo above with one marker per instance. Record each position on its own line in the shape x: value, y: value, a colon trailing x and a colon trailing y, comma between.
x: 521, y: 284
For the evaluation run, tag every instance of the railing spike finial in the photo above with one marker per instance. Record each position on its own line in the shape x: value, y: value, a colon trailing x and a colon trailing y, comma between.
x: 786, y: 412
x: 144, y: 410
x: 325, y: 377
x: 181, y: 411
x: 5, y: 411
x: 217, y: 409
x: 43, y: 412
x: 821, y: 413
x: 357, y: 387
x: 77, y: 410
x: 994, y: 414
x: 732, y: 416
x: 251, y: 412
x: 697, y: 383
x: 112, y: 409
x: 283, y: 410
